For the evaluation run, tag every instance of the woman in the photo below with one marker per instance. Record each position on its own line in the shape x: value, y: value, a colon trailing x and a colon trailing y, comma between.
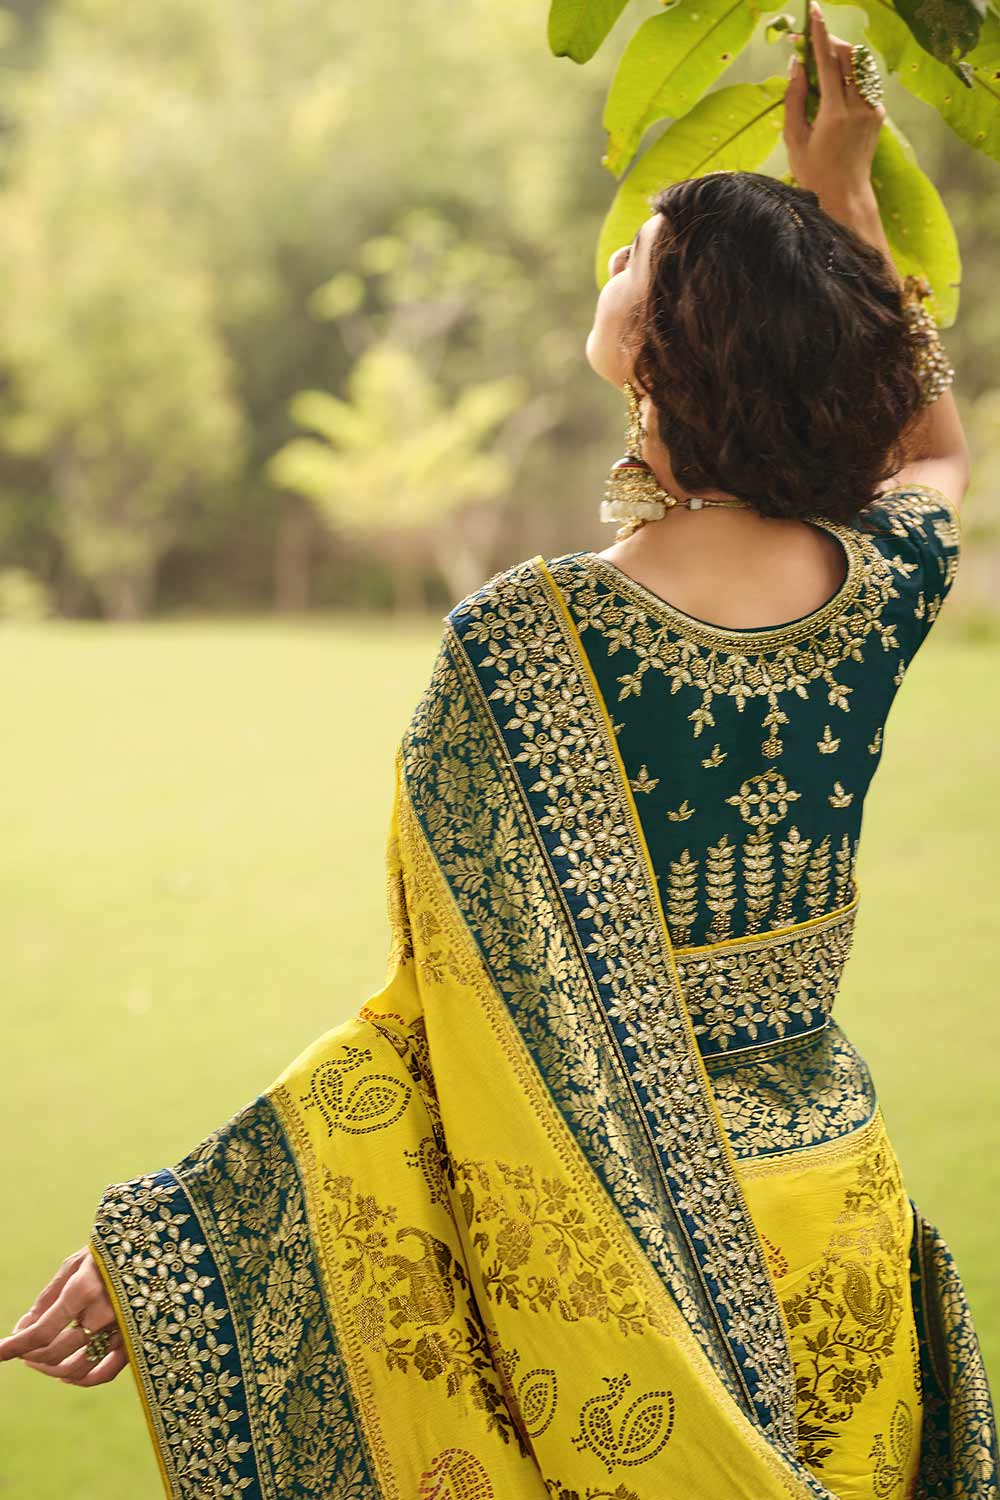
x: 593, y: 1198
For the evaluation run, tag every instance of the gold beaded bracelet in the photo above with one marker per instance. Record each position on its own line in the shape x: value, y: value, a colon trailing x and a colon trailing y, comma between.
x: 935, y: 373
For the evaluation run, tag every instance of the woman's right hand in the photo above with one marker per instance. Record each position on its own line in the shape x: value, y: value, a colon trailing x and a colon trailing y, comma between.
x: 832, y: 156
x: 45, y: 1342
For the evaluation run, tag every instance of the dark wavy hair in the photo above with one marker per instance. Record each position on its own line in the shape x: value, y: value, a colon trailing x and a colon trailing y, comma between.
x: 773, y: 378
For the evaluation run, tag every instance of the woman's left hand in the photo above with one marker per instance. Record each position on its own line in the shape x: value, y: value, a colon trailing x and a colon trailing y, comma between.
x: 45, y: 1342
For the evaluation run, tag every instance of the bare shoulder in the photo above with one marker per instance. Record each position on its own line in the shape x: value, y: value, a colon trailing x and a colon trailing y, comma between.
x: 948, y: 477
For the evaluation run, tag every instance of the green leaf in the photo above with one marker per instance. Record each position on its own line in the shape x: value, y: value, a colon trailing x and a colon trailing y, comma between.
x: 972, y: 108
x: 916, y: 223
x: 736, y: 127
x: 947, y: 29
x: 778, y: 27
x: 578, y: 27
x: 670, y: 63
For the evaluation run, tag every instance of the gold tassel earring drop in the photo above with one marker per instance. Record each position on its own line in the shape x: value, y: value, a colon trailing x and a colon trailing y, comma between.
x: 632, y: 494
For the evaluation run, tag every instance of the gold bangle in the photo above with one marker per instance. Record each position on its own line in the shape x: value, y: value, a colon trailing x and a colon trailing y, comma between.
x: 933, y: 368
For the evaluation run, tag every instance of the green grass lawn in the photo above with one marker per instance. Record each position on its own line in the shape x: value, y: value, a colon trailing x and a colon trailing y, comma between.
x: 192, y: 820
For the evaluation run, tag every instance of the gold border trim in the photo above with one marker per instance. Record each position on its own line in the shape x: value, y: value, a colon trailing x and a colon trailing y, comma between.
x: 928, y: 492
x: 775, y: 1163
x: 787, y: 1414
x: 776, y: 934
x: 762, y: 636
x: 356, y: 1371
x: 786, y: 1468
x: 137, y: 1364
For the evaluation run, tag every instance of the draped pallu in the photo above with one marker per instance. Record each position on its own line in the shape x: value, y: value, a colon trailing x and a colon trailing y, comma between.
x: 494, y: 1238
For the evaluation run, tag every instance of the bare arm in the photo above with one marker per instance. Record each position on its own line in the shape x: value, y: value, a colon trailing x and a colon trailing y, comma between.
x: 935, y: 442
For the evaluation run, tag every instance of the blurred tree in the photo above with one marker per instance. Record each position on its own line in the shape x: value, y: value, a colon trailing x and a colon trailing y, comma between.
x: 181, y: 185
x: 397, y: 459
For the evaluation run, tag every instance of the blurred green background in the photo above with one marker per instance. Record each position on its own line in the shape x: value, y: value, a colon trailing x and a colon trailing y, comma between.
x: 293, y: 304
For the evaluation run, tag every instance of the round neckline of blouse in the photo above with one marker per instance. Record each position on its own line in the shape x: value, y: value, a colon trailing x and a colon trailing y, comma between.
x: 707, y: 632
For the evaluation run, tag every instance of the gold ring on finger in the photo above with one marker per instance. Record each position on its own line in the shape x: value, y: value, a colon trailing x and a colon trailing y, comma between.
x: 866, y: 74
x: 98, y: 1345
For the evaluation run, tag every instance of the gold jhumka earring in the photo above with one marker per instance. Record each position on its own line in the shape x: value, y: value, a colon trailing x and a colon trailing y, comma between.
x: 633, y: 494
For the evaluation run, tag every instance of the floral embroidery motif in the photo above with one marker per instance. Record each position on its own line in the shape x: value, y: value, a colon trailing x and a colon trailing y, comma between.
x: 718, y: 663
x: 748, y: 993
x: 876, y: 744
x: 236, y: 1346
x: 681, y: 814
x: 845, y: 1320
x: 819, y: 876
x: 797, y: 1093
x: 764, y: 798
x: 413, y: 1304
x: 644, y: 782
x: 715, y: 757
x: 838, y: 797
x: 537, y: 1250
x: 630, y: 1437
x: 531, y: 668
x: 828, y: 744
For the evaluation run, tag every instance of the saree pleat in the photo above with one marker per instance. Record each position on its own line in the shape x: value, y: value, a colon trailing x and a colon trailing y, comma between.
x: 496, y: 1235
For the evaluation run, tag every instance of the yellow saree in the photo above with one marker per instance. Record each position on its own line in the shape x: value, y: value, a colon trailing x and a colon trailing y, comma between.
x: 462, y: 1249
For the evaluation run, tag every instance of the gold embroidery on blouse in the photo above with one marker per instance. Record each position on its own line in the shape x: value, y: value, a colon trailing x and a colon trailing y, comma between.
x: 643, y: 782
x: 753, y: 991
x: 758, y: 876
x: 764, y: 798
x: 844, y: 866
x: 794, y: 857
x: 818, y: 878
x: 716, y: 757
x: 680, y: 814
x: 827, y: 745
x: 822, y: 875
x: 682, y: 896
x: 740, y: 665
x: 720, y: 887
x: 876, y: 744
x: 838, y: 797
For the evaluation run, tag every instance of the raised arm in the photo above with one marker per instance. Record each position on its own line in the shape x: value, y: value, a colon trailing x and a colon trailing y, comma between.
x: 937, y: 452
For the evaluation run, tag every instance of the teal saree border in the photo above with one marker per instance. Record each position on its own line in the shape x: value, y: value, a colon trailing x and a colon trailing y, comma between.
x: 958, y: 1455
x: 523, y: 649
x: 474, y: 815
x: 215, y: 1273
